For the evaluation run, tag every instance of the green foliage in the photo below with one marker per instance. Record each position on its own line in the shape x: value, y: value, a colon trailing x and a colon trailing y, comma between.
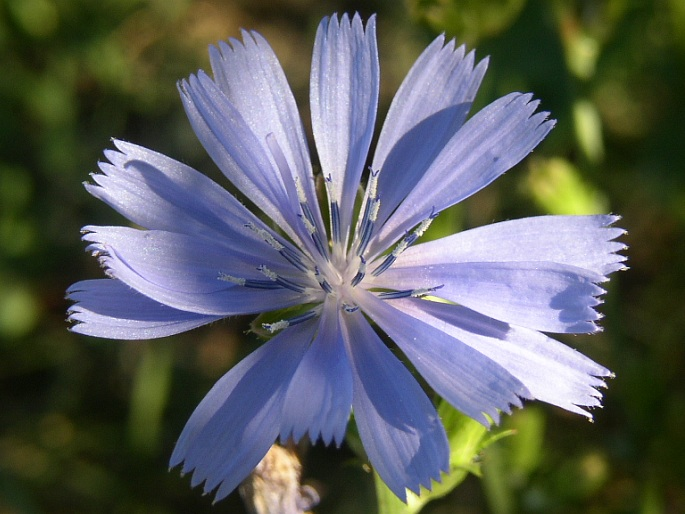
x: 467, y: 438
x: 150, y: 391
x: 471, y: 19
x: 557, y: 187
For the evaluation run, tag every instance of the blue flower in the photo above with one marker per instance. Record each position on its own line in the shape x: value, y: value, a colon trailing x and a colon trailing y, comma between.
x: 468, y: 311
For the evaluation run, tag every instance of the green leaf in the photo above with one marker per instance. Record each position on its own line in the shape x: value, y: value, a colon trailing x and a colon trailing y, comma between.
x: 508, y: 467
x: 149, y: 396
x: 472, y: 20
x: 588, y: 127
x: 557, y: 186
x: 466, y: 438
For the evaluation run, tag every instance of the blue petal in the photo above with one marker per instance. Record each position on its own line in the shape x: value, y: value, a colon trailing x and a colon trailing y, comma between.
x: 239, y: 152
x: 398, y: 425
x: 319, y: 400
x: 184, y: 272
x: 233, y: 427
x: 551, y: 371
x: 430, y: 106
x: 490, y: 143
x: 344, y: 99
x: 543, y: 296
x: 108, y: 308
x: 252, y: 79
x: 157, y: 192
x: 582, y: 241
x: 467, y: 379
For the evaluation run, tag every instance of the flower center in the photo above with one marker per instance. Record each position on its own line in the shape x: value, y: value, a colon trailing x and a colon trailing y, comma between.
x: 335, y: 265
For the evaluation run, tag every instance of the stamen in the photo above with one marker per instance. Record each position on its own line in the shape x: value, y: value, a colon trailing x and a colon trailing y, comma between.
x: 370, y: 208
x: 301, y: 195
x: 314, y: 234
x: 308, y: 224
x: 230, y: 278
x: 294, y: 259
x: 286, y: 173
x: 335, y: 223
x: 373, y: 211
x: 307, y: 218
x: 393, y: 295
x: 294, y: 189
x: 290, y: 255
x: 288, y: 284
x: 370, y: 217
x: 271, y: 275
x: 372, y: 186
x: 304, y: 205
x: 413, y: 293
x: 336, y: 236
x: 322, y: 281
x: 330, y: 188
x: 423, y: 226
x: 308, y: 215
x: 255, y: 284
x: 284, y: 282
x: 390, y: 258
x: 285, y: 323
x: 425, y: 291
x: 405, y: 243
x: 350, y: 308
x: 274, y: 327
x: 360, y: 274
x: 266, y: 236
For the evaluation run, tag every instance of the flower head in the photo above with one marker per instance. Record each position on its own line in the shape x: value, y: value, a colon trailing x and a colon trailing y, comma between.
x: 467, y: 311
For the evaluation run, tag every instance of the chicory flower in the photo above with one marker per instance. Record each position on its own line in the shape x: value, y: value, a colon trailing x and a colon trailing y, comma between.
x: 468, y: 311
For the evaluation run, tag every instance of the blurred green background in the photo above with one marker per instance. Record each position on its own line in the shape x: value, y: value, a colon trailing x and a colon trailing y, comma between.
x: 86, y: 425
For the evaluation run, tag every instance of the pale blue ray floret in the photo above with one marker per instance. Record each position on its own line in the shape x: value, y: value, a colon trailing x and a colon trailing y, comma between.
x: 468, y: 311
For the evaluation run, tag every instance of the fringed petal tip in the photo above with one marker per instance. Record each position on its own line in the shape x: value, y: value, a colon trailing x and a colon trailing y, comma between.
x: 425, y: 485
x: 417, y: 487
x: 584, y: 410
x: 119, y: 155
x: 222, y: 487
x: 608, y: 222
x: 319, y: 398
x: 109, y: 309
x: 196, y: 480
x: 219, y: 446
x: 289, y: 435
x: 589, y: 397
x: 492, y: 417
x: 220, y: 484
x: 116, y: 161
x: 611, y: 220
x: 355, y: 22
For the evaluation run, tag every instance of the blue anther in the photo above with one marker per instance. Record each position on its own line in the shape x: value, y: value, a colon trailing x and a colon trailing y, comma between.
x: 288, y: 284
x: 394, y: 295
x: 285, y: 323
x: 360, y: 274
x: 263, y: 284
x: 415, y: 293
x: 293, y: 258
x: 335, y: 223
x: 322, y: 281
